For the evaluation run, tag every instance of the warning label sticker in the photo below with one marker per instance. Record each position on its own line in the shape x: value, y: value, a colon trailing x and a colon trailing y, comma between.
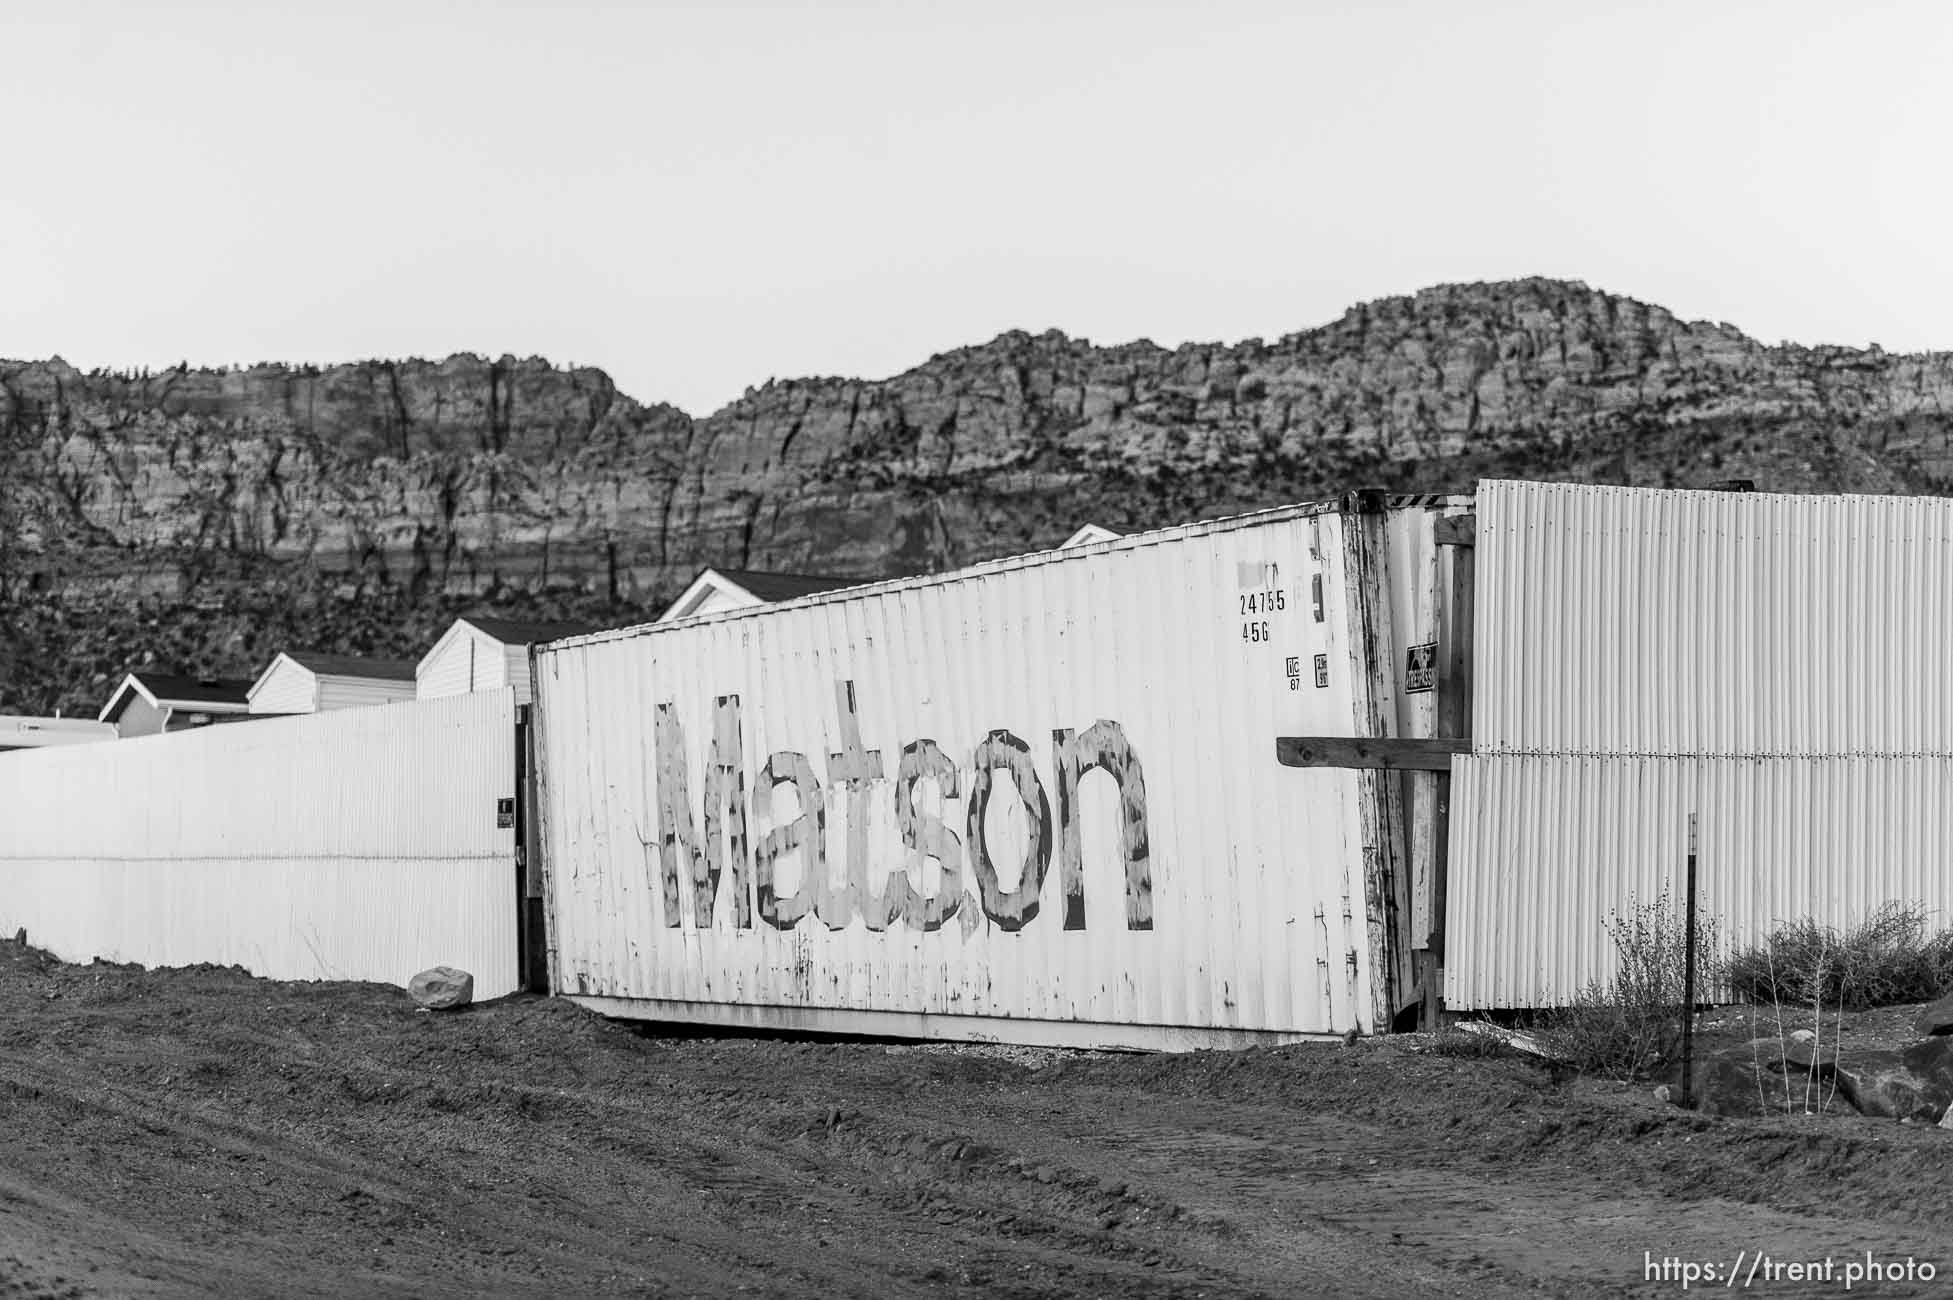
x: 1421, y: 668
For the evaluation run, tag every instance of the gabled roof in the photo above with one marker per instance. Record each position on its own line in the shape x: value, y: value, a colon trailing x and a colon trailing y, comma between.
x: 502, y: 631
x: 516, y: 632
x: 393, y: 670
x: 773, y: 587
x: 754, y: 586
x: 174, y: 690
x: 1087, y: 535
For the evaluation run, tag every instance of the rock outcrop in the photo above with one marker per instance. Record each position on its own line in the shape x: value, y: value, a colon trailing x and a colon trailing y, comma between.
x: 203, y: 519
x: 1935, y: 1018
x: 1786, y: 1076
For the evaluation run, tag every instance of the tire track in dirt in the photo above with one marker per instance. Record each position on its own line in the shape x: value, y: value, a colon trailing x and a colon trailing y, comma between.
x: 574, y: 1229
x: 1276, y: 1176
x: 1149, y: 1207
x: 203, y: 1133
x: 730, y: 1179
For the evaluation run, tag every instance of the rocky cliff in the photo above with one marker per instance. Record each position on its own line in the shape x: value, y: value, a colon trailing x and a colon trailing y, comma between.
x: 204, y: 519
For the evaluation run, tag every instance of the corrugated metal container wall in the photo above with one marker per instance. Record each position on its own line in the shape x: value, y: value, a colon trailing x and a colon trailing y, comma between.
x: 355, y: 845
x: 1193, y: 889
x: 1776, y: 664
x: 1643, y: 621
x: 1547, y: 846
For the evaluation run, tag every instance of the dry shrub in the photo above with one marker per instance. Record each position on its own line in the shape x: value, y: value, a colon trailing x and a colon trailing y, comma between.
x: 1887, y: 959
x: 1631, y: 1027
x: 1596, y: 1034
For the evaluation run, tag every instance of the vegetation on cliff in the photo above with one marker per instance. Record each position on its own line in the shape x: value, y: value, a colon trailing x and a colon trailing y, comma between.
x: 202, y: 519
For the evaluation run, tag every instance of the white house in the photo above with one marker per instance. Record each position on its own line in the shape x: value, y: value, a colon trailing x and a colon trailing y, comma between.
x: 485, y: 654
x: 38, y: 733
x: 1087, y: 535
x: 717, y: 589
x: 146, y: 703
x: 302, y: 682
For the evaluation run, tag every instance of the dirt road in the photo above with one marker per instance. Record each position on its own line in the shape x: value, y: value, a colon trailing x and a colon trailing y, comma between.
x: 197, y: 1133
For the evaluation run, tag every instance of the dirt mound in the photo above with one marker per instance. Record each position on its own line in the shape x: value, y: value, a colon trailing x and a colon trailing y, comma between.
x: 200, y: 1132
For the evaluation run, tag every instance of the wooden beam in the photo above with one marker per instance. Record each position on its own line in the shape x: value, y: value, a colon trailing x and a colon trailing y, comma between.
x: 1372, y: 650
x: 1423, y: 806
x: 1454, y: 719
x: 1455, y: 659
x: 538, y: 737
x: 1456, y: 530
x: 1394, y: 753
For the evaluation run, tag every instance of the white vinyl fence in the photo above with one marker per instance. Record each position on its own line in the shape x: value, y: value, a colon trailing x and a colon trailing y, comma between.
x: 362, y: 844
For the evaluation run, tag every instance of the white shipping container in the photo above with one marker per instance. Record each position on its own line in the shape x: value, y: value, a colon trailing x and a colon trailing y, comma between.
x: 358, y: 844
x: 1034, y: 800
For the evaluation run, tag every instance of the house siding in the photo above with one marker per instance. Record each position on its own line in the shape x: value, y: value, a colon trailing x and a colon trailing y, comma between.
x: 515, y: 671
x: 288, y: 688
x: 718, y: 600
x: 453, y: 669
x: 361, y: 692
x: 139, y: 717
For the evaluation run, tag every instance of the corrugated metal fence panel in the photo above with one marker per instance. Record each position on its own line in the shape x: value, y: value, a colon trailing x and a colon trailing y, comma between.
x: 1643, y: 621
x: 360, y: 844
x: 1546, y: 847
x: 1255, y: 893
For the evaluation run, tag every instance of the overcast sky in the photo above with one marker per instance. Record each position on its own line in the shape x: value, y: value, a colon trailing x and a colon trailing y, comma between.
x: 697, y: 197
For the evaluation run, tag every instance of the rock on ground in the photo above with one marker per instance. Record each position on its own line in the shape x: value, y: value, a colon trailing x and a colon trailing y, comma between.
x: 1770, y: 1076
x: 1743, y: 1080
x: 443, y: 988
x: 1937, y: 1018
x: 1916, y: 1083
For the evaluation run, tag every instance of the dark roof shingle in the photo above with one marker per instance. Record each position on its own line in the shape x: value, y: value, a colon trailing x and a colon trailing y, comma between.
x: 393, y: 670
x: 771, y: 587
x: 176, y: 688
x: 516, y: 632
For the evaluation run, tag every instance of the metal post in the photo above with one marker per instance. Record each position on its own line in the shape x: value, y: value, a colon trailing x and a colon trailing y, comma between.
x: 1688, y: 979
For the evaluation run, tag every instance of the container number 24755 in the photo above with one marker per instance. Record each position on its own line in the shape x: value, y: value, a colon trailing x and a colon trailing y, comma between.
x: 1260, y: 602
